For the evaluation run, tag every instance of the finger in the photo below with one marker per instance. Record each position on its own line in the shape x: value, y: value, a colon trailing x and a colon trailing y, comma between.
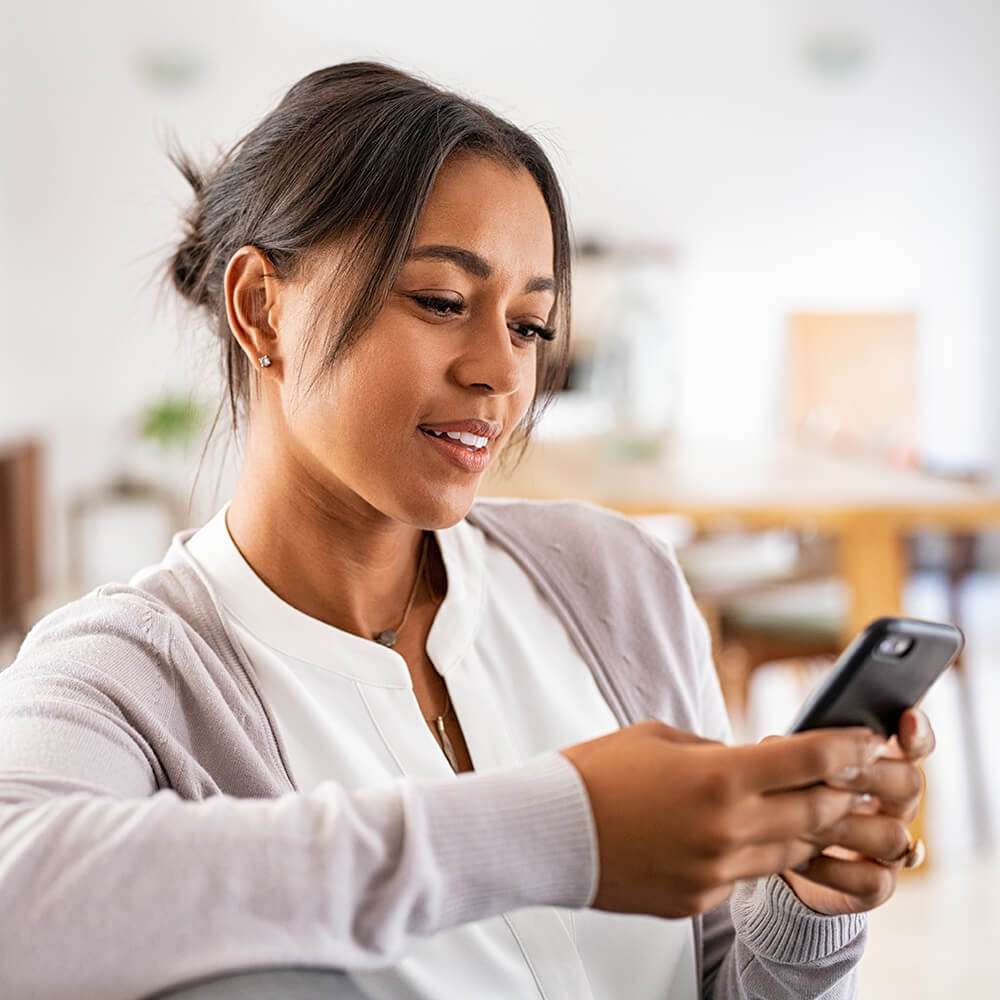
x: 869, y: 882
x: 906, y: 811
x: 880, y: 838
x: 916, y: 736
x: 802, y: 759
x: 895, y: 782
x: 765, y: 859
x: 893, y: 749
x: 780, y: 816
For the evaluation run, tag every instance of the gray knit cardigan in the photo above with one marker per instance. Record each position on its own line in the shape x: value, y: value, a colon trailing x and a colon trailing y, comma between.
x: 151, y: 832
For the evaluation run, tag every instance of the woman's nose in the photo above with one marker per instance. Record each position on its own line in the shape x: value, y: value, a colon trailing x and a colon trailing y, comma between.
x: 491, y: 359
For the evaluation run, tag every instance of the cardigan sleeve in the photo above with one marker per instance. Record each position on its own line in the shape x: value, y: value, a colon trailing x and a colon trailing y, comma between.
x: 764, y: 943
x: 114, y: 887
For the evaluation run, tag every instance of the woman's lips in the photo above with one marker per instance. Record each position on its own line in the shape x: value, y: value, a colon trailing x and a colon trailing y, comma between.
x: 466, y: 458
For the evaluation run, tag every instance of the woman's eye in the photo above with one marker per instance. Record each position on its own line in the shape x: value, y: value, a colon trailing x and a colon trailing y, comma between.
x: 440, y: 306
x: 545, y: 332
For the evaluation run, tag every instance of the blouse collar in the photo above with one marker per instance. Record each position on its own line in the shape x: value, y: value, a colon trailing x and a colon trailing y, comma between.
x: 245, y: 597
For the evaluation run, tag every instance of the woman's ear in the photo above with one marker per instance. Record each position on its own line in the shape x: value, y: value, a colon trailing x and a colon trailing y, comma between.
x: 252, y: 302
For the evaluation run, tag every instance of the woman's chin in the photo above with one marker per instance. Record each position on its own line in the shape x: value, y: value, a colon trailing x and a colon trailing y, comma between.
x: 440, y: 506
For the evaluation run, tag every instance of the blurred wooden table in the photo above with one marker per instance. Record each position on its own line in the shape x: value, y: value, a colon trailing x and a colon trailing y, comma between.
x: 867, y: 508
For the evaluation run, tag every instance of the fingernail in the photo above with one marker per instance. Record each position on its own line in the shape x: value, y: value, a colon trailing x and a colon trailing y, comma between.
x: 876, y: 749
x: 862, y: 800
x: 922, y: 730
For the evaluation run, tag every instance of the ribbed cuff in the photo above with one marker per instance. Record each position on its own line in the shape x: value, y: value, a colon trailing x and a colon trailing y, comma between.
x: 513, y: 837
x: 777, y: 925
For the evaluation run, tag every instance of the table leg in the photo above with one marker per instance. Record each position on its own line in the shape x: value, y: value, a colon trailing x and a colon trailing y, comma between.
x: 873, y: 563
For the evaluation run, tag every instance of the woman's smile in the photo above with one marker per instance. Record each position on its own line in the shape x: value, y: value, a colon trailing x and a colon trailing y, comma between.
x: 467, y: 457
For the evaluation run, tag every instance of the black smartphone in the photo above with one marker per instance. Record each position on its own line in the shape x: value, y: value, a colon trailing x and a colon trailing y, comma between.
x: 888, y: 668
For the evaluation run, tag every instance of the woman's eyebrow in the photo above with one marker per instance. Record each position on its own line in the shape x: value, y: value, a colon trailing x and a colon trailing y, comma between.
x: 474, y: 264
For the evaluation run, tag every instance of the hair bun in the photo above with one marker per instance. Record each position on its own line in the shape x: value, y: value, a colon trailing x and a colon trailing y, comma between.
x: 186, y: 269
x: 187, y: 266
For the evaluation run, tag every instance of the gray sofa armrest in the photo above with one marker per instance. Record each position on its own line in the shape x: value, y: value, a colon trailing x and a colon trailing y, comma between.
x: 266, y: 984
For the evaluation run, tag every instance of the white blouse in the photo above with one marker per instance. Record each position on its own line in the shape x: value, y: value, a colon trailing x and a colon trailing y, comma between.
x: 346, y: 711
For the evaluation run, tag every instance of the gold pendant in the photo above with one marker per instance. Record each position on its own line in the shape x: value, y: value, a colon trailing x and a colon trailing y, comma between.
x: 449, y: 751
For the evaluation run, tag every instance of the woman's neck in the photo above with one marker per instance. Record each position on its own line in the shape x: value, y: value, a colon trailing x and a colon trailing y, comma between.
x: 333, y: 565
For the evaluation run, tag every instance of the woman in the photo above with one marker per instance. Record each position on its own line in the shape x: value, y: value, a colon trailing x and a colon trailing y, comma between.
x: 362, y: 720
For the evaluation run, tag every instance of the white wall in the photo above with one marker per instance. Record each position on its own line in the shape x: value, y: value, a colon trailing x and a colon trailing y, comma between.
x: 700, y: 124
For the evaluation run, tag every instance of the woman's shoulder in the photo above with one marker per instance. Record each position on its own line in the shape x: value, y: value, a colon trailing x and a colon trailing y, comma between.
x: 138, y: 635
x: 123, y: 659
x: 552, y: 523
x: 622, y: 594
x: 114, y: 629
x: 97, y: 664
x: 576, y: 540
x: 111, y: 609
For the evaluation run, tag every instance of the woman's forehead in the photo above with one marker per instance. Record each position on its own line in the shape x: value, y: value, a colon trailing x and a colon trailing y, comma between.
x: 474, y: 188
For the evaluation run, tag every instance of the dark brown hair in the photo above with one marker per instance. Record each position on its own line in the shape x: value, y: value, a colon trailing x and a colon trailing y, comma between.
x: 348, y: 158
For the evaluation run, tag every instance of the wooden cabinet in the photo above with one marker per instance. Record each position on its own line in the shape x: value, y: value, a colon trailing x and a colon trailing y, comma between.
x: 20, y: 502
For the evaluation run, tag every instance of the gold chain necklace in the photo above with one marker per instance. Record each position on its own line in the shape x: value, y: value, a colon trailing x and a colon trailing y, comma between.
x: 449, y: 750
x: 387, y: 637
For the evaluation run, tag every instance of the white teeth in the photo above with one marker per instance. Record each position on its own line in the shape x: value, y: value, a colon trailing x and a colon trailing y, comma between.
x: 471, y: 440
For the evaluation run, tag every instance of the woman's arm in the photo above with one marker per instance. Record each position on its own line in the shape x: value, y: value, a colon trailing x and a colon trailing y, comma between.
x: 114, y: 888
x: 764, y: 943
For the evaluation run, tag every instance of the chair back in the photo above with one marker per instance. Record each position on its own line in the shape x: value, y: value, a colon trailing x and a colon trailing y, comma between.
x: 851, y: 383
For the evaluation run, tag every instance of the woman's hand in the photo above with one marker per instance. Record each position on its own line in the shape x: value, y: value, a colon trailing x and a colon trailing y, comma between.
x: 863, y: 851
x: 680, y: 818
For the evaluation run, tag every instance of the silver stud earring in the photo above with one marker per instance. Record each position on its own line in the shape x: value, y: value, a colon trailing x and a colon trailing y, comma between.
x: 264, y: 360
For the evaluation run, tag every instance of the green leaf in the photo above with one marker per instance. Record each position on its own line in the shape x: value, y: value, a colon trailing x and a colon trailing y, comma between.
x: 172, y: 421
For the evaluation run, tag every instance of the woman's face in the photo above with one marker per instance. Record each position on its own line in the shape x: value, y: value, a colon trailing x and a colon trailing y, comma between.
x: 358, y: 436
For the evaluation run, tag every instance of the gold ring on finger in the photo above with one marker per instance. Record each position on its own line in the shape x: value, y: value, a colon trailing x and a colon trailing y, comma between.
x: 916, y: 851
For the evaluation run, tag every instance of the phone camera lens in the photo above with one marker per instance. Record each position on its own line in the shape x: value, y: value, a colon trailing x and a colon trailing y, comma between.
x: 895, y: 645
